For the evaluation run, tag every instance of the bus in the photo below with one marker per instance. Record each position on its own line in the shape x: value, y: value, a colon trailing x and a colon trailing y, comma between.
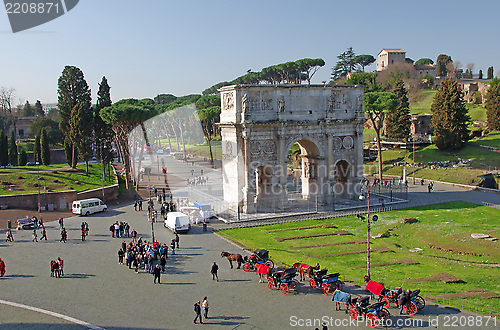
x: 88, y: 206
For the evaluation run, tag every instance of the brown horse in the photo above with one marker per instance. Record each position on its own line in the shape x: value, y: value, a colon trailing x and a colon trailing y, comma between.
x: 305, y: 270
x: 232, y: 257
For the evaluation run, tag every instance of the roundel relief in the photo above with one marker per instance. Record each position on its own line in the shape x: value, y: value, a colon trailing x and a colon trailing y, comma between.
x: 229, y: 148
x: 269, y: 147
x: 255, y: 147
x: 348, y: 142
x: 337, y: 143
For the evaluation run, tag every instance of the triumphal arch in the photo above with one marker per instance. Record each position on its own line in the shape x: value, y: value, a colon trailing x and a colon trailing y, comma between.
x: 260, y: 123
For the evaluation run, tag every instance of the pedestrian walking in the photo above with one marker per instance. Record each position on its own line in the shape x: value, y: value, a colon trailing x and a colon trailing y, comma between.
x: 214, y: 270
x: 83, y: 234
x: 2, y: 267
x: 64, y: 235
x: 135, y: 206
x: 204, y: 307
x: 429, y: 187
x: 60, y: 262
x: 61, y: 223
x: 44, y: 234
x: 9, y: 236
x: 177, y: 240
x: 197, y: 310
x: 172, y: 246
x: 163, y: 262
x: 35, y: 236
x: 192, y: 172
x: 140, y: 205
x: 156, y: 274
x: 121, y: 254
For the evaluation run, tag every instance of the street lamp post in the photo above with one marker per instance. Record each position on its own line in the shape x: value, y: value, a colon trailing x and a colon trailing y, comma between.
x: 413, y: 159
x: 375, y: 218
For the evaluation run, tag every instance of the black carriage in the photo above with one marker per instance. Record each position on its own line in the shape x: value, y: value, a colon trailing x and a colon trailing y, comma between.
x: 325, y: 281
x: 258, y: 257
x: 374, y: 314
x: 283, y: 279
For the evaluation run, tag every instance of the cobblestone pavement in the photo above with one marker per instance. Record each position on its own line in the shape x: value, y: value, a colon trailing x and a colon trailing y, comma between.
x: 99, y: 291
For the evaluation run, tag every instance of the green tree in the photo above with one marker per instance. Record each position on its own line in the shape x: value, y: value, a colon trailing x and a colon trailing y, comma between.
x: 424, y: 61
x: 398, y: 120
x: 103, y: 134
x: 490, y: 72
x: 28, y: 110
x: 208, y: 118
x: 309, y: 66
x: 441, y: 67
x: 39, y: 109
x: 493, y: 108
x: 367, y: 79
x: 72, y: 90
x: 449, y: 117
x: 37, y: 153
x: 4, y: 149
x: 345, y: 64
x: 376, y: 105
x: 480, y: 74
x: 12, y: 149
x: 364, y: 61
x: 22, y: 157
x: 45, y: 148
x: 80, y: 131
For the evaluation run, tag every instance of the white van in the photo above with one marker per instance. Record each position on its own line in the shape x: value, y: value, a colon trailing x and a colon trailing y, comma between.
x: 178, y: 222
x: 88, y: 206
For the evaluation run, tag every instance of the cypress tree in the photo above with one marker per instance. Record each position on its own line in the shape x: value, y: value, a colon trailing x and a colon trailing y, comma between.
x: 493, y: 108
x: 23, y: 157
x: 4, y: 149
x: 12, y: 150
x: 80, y: 132
x: 490, y: 73
x: 449, y: 117
x: 45, y: 148
x: 398, y: 121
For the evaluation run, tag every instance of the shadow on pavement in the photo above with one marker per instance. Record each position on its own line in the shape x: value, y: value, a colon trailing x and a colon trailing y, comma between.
x: 77, y: 275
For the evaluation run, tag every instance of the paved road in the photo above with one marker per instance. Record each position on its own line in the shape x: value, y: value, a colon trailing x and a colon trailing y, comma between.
x: 99, y: 292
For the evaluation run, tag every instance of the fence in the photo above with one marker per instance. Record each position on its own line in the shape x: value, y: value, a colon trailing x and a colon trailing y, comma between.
x: 496, y: 206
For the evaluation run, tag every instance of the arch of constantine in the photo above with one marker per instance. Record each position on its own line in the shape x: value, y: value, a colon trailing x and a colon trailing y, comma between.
x: 260, y: 123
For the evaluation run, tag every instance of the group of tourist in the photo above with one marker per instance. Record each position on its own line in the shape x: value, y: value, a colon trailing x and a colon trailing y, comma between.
x: 121, y: 230
x: 198, y: 181
x: 167, y: 207
x: 200, y: 307
x: 85, y: 230
x: 152, y: 257
x: 57, y: 267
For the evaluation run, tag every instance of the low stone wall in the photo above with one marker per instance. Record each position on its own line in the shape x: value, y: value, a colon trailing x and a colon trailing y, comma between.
x: 56, y: 201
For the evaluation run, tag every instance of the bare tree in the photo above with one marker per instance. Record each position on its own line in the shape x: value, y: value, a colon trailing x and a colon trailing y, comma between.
x: 7, y: 96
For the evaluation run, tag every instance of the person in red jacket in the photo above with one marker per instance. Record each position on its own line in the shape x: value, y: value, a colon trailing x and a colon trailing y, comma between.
x: 2, y: 267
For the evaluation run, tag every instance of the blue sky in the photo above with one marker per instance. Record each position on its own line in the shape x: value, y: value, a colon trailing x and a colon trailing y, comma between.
x: 145, y: 48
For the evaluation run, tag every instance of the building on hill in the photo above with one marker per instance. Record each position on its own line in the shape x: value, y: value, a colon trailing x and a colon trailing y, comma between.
x: 47, y: 107
x: 387, y: 57
x: 421, y: 125
x: 426, y: 69
x: 22, y: 126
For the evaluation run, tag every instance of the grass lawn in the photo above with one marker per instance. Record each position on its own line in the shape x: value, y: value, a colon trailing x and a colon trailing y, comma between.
x: 440, y: 228
x: 423, y: 101
x: 482, y: 161
x: 58, y: 180
x: 476, y: 112
x: 490, y: 140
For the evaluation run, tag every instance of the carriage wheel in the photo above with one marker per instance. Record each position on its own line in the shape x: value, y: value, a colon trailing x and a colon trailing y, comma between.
x: 339, y: 285
x: 411, y: 308
x: 420, y: 302
x: 353, y: 314
x: 270, y: 263
x: 294, y: 285
x: 270, y: 283
x: 326, y: 288
x: 384, y: 314
x: 246, y: 267
x: 312, y: 283
x: 284, y: 288
x: 387, y: 302
x: 371, y: 320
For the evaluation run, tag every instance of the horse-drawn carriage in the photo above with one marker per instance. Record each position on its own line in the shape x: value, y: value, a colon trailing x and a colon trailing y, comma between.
x: 374, y: 313
x: 258, y: 257
x: 325, y: 281
x: 411, y: 305
x: 284, y: 279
